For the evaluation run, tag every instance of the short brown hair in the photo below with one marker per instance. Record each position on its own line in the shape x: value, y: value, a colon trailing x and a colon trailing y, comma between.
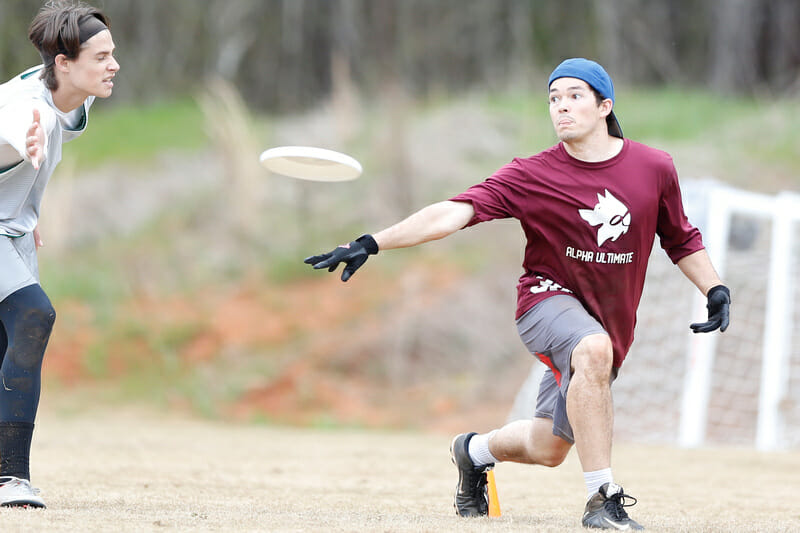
x: 598, y: 98
x: 55, y: 31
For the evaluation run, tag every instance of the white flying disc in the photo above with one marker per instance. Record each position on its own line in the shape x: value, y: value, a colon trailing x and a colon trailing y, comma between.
x: 308, y: 163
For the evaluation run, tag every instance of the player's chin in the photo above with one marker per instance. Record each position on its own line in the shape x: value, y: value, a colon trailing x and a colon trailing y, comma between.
x: 105, y: 90
x: 564, y: 133
x: 567, y: 136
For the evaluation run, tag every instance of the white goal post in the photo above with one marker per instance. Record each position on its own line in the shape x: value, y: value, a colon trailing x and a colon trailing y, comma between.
x: 740, y: 387
x: 783, y: 210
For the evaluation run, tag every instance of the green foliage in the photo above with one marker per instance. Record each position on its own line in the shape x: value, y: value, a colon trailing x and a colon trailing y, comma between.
x: 673, y: 114
x: 81, y: 277
x: 137, y: 134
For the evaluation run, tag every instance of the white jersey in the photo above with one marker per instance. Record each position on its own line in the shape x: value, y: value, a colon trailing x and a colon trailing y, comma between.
x: 22, y: 186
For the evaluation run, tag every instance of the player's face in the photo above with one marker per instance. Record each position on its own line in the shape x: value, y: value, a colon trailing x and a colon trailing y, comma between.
x: 574, y: 110
x: 95, y: 67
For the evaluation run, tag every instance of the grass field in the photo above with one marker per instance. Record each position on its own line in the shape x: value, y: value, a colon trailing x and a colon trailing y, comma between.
x: 128, y: 470
x: 132, y: 135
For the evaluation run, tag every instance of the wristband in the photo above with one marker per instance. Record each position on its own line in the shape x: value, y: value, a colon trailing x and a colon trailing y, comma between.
x: 369, y: 244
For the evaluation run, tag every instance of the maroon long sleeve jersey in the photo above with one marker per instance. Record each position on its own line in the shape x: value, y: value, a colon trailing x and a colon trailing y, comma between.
x: 590, y: 227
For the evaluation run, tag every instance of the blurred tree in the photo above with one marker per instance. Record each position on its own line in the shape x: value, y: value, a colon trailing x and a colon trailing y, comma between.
x: 16, y: 52
x: 735, y: 44
x: 289, y: 54
x: 782, y: 65
x: 755, y: 41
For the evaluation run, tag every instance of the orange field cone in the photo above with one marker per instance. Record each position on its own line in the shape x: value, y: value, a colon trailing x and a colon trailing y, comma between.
x: 494, y: 502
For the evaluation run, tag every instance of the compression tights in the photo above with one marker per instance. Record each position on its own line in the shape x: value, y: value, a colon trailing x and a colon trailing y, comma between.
x: 26, y: 320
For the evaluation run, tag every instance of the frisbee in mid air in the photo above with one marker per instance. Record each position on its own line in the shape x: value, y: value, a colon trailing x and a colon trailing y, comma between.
x: 308, y: 163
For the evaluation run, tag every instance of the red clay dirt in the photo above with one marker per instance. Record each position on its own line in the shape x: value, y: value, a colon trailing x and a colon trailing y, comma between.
x: 319, y: 347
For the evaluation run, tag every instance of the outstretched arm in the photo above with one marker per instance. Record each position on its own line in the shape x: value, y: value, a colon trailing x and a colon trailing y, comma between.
x: 698, y: 268
x: 428, y: 224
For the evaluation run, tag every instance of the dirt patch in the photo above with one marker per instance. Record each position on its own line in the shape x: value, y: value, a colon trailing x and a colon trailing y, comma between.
x: 310, y: 352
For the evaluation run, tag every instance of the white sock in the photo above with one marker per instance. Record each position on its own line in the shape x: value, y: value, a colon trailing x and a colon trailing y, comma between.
x: 594, y: 480
x: 479, y: 449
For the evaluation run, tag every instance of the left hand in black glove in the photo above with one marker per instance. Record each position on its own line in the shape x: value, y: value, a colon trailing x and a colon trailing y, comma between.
x: 719, y: 303
x: 353, y: 254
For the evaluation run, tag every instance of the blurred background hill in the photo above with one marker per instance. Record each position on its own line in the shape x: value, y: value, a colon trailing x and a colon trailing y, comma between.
x: 175, y: 262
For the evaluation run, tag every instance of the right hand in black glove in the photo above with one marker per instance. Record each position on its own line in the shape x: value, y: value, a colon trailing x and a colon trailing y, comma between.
x: 353, y: 255
x: 719, y: 303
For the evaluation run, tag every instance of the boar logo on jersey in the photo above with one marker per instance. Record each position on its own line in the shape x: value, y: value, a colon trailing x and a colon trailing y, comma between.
x: 611, y: 215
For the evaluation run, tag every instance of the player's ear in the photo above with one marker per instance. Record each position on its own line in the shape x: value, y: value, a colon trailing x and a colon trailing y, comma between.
x: 606, y: 106
x: 62, y: 63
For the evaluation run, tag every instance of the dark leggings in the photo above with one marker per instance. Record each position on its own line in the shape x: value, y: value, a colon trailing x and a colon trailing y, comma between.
x: 26, y: 320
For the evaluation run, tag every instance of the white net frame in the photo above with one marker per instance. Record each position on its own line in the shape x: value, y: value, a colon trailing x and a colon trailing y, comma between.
x: 741, y: 387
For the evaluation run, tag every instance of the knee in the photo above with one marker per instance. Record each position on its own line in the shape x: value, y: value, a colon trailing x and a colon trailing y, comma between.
x: 543, y: 447
x: 30, y: 335
x: 38, y: 320
x: 593, y: 358
x: 553, y: 456
x: 29, y: 308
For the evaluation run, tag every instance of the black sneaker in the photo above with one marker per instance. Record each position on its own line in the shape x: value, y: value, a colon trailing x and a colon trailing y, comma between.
x: 471, y: 497
x: 606, y: 509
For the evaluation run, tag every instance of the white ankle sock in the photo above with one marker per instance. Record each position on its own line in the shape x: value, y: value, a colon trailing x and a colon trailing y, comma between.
x: 479, y: 449
x: 594, y: 480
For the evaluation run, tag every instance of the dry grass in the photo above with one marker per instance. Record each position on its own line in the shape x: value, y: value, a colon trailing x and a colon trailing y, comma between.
x: 133, y: 471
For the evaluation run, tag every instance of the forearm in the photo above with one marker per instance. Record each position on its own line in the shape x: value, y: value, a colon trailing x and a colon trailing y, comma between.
x: 15, y: 123
x: 698, y: 268
x: 430, y: 223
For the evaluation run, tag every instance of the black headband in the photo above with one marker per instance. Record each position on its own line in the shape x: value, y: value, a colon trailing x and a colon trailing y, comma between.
x: 88, y: 27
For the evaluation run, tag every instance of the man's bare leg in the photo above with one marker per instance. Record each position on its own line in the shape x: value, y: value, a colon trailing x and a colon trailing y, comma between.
x: 529, y: 442
x: 589, y: 405
x: 523, y: 441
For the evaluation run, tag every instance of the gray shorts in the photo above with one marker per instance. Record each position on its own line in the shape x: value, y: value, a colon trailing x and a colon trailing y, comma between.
x: 18, y: 264
x: 550, y: 330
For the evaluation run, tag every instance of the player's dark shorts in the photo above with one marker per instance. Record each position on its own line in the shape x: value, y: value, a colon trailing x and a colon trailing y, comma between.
x: 550, y: 330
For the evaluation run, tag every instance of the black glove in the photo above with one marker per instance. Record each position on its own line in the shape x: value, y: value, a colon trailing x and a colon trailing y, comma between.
x: 353, y: 255
x: 719, y: 303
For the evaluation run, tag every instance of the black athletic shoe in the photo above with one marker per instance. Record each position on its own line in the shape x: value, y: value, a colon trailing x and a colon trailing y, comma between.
x: 471, y: 497
x: 606, y: 509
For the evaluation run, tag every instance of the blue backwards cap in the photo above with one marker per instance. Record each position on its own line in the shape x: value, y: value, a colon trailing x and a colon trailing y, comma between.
x: 597, y: 78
